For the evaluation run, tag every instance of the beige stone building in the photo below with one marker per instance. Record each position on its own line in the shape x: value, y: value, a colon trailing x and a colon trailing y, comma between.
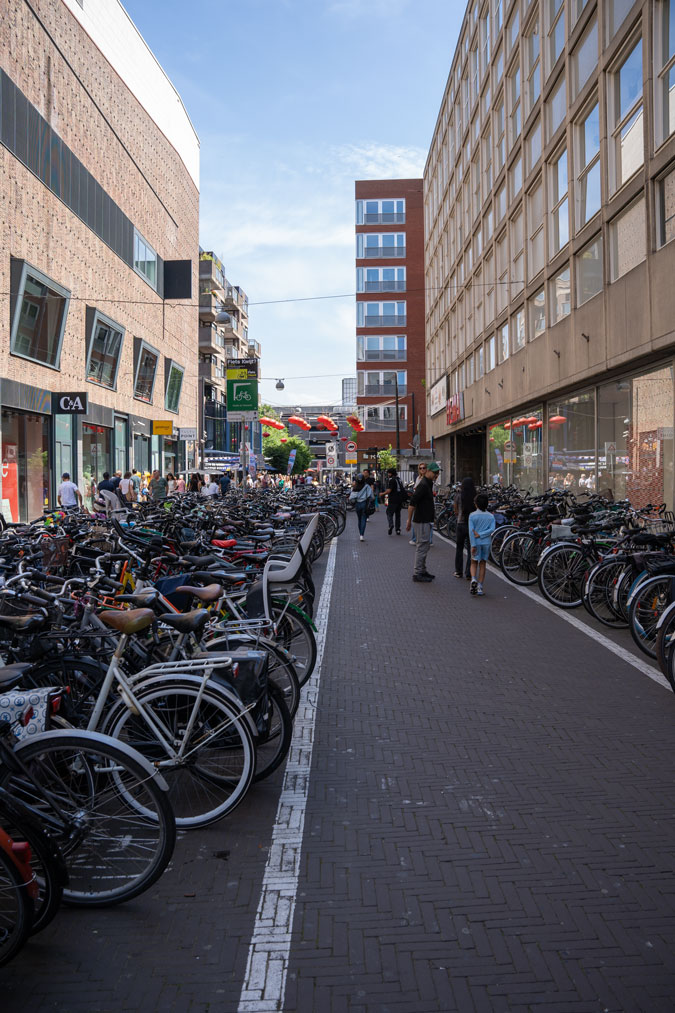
x: 99, y: 207
x: 549, y: 203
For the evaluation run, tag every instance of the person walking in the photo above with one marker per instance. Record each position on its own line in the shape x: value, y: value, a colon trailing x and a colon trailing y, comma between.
x: 195, y: 482
x: 170, y: 483
x: 126, y: 489
x: 421, y: 472
x: 180, y: 484
x: 67, y: 494
x: 464, y: 506
x: 421, y: 515
x: 481, y: 526
x: 361, y: 496
x: 396, y: 498
x: 225, y: 482
x: 158, y: 486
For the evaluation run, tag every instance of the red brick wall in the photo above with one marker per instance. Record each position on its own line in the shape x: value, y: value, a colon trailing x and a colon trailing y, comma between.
x: 411, y: 190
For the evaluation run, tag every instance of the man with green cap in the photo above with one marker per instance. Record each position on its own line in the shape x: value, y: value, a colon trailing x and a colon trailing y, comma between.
x: 421, y: 515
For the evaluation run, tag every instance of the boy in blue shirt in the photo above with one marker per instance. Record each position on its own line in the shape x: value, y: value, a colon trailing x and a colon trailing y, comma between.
x: 481, y: 526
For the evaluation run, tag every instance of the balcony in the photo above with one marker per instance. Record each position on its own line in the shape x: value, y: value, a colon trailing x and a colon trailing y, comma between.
x: 254, y: 349
x: 234, y: 298
x: 210, y: 340
x: 384, y: 286
x: 383, y: 390
x: 388, y: 320
x: 385, y: 425
x: 212, y: 373
x: 385, y: 218
x: 372, y: 252
x: 209, y: 306
x: 384, y: 355
x: 211, y: 270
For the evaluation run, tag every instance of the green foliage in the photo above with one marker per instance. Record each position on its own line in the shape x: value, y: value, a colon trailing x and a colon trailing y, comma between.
x: 269, y: 411
x: 386, y: 459
x: 499, y: 436
x: 277, y: 453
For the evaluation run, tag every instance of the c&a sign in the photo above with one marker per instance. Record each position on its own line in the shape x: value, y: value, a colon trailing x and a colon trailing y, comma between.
x: 69, y: 403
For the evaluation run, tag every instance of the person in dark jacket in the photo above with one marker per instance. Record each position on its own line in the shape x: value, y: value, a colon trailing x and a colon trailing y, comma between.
x: 464, y: 505
x: 421, y: 512
x: 396, y: 497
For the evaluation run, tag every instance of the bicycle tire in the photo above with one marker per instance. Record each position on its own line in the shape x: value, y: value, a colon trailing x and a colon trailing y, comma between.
x: 281, y: 669
x: 518, y: 558
x: 647, y: 603
x: 560, y: 575
x: 47, y: 862
x: 497, y: 540
x: 598, y: 592
x: 295, y: 633
x: 665, y: 640
x: 272, y: 746
x: 15, y: 910
x: 110, y: 798
x: 217, y: 772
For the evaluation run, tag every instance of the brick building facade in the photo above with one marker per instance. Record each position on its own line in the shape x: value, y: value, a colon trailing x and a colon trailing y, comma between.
x: 390, y: 314
x: 99, y: 206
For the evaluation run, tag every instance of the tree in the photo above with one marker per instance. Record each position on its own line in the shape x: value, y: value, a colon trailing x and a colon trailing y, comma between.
x: 386, y: 459
x: 277, y: 453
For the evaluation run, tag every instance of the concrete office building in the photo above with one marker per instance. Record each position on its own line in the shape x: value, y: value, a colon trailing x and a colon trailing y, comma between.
x: 99, y: 210
x: 390, y: 314
x: 549, y: 207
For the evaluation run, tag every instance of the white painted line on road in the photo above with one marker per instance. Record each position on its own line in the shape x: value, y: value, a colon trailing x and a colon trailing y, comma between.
x: 264, y: 985
x: 642, y: 666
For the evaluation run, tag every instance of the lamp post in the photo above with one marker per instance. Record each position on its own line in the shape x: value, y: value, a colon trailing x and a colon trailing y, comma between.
x: 398, y: 425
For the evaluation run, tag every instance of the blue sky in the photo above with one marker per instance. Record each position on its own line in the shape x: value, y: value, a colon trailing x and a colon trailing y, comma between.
x: 292, y: 101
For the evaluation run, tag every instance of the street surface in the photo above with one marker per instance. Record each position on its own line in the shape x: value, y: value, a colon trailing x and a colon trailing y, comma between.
x: 489, y: 827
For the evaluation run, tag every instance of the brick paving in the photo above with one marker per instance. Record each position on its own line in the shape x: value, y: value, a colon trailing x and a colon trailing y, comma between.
x: 489, y: 827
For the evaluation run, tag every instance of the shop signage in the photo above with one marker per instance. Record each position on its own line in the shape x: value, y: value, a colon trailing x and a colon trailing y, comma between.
x: 242, y: 389
x: 69, y: 404
x: 455, y: 408
x: 438, y: 396
x: 187, y: 434
x: 162, y: 427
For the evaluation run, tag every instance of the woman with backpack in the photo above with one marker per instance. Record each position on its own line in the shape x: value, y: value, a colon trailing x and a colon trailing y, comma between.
x: 362, y: 497
x: 396, y: 498
x: 464, y: 505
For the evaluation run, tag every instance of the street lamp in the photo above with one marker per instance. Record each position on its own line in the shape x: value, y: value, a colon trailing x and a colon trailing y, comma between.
x: 280, y: 385
x: 398, y: 425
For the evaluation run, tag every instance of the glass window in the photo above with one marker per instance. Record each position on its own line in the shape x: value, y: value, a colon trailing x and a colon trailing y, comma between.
x: 25, y: 465
x: 584, y: 59
x: 469, y: 371
x: 664, y: 69
x: 615, y: 12
x: 499, y: 449
x: 588, y: 195
x: 576, y: 10
x: 571, y: 442
x: 527, y: 463
x: 502, y: 272
x: 555, y: 31
x: 627, y: 142
x: 39, y: 316
x: 516, y: 177
x: 589, y: 271
x: 514, y: 105
x: 145, y: 260
x: 556, y: 107
x: 559, y: 233
x: 490, y: 354
x: 628, y: 239
x: 533, y: 147
x: 500, y: 203
x: 559, y: 296
x: 96, y: 458
x: 479, y: 362
x: 535, y: 226
x: 665, y: 209
x: 537, y: 306
x: 518, y: 330
x: 512, y: 31
x: 146, y: 370
x: 174, y: 384
x: 105, y: 348
x: 503, y: 342
x: 500, y: 135
x: 532, y: 67
x: 517, y: 260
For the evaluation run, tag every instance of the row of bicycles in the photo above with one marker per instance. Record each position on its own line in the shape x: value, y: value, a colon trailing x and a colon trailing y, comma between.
x: 614, y: 560
x: 152, y: 665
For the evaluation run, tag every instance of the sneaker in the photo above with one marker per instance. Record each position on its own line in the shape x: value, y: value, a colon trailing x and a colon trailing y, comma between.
x: 474, y: 587
x: 432, y: 575
x: 422, y: 578
x: 390, y: 531
x: 361, y: 538
x: 480, y: 589
x: 468, y: 576
x: 398, y: 532
x: 412, y: 542
x: 458, y: 575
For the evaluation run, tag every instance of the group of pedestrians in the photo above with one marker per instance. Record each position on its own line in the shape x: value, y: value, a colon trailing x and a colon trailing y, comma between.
x: 475, y: 523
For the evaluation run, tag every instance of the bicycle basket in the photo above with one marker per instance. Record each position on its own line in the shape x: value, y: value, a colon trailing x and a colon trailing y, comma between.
x: 14, y: 702
x: 250, y: 680
x: 54, y: 552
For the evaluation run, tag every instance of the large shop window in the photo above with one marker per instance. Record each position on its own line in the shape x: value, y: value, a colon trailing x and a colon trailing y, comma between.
x: 25, y: 465
x: 146, y: 359
x: 635, y: 438
x: 516, y: 451
x: 39, y: 317
x: 96, y: 458
x: 571, y: 443
x: 105, y: 349
x: 174, y: 381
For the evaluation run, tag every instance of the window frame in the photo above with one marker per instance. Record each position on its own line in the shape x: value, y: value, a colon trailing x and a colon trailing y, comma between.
x: 43, y: 279
x: 597, y: 238
x: 552, y: 298
x: 662, y: 67
x: 142, y: 347
x: 103, y: 318
x: 616, y: 122
x: 138, y: 239
x: 556, y: 203
x: 612, y: 237
x: 169, y: 366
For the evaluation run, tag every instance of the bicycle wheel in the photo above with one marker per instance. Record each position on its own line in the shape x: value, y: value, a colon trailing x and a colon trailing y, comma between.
x: 218, y: 756
x: 497, y: 540
x: 107, y: 809
x: 647, y: 604
x: 561, y: 575
x: 665, y: 639
x: 598, y: 592
x: 275, y: 731
x: 295, y: 633
x: 81, y: 676
x: 47, y: 862
x: 519, y: 557
x: 16, y: 909
x: 281, y: 669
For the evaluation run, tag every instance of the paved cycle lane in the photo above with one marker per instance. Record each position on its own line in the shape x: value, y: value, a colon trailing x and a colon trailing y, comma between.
x: 488, y: 825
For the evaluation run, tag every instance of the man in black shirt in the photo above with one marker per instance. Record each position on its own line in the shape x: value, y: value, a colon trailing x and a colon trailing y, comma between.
x: 421, y: 514
x: 107, y: 483
x: 396, y: 497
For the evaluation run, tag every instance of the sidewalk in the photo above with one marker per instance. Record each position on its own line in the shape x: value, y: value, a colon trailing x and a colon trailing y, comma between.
x: 489, y: 827
x: 490, y: 823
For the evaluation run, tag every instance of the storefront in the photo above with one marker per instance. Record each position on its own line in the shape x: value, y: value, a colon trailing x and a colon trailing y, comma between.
x: 615, y: 438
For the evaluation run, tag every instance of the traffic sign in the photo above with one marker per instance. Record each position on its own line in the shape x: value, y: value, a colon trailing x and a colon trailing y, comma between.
x: 350, y: 447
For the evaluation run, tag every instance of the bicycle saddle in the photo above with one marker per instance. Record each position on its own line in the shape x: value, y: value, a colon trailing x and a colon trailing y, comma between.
x: 186, y: 622
x: 201, y: 560
x: 212, y: 592
x: 129, y: 622
x: 223, y: 577
x: 10, y: 673
x: 23, y: 624
x: 140, y: 598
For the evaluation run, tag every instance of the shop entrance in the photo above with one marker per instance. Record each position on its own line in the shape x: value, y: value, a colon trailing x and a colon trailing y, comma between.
x: 470, y: 456
x: 25, y: 465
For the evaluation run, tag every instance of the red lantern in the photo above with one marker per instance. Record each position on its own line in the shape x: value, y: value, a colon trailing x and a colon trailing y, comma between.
x: 264, y: 435
x: 507, y: 425
x: 557, y: 420
x: 283, y: 440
